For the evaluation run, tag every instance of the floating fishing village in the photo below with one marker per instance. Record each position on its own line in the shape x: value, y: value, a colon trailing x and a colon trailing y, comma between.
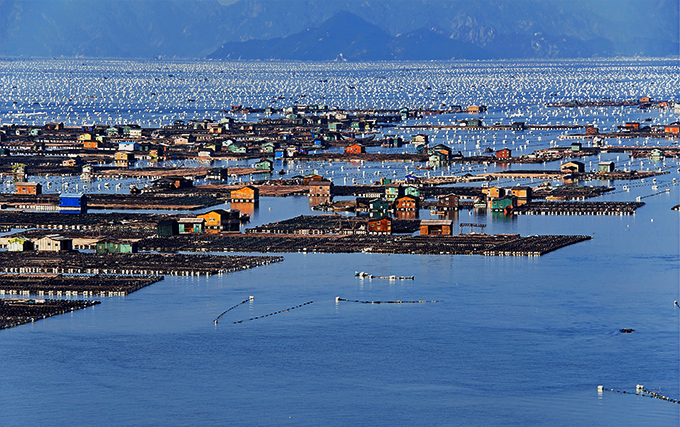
x: 356, y: 213
x: 104, y: 209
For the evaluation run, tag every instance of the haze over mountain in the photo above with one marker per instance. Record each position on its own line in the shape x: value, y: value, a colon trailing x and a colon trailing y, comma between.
x: 339, y: 29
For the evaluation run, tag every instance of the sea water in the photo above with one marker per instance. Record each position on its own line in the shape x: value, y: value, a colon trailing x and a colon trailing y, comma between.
x: 510, y: 340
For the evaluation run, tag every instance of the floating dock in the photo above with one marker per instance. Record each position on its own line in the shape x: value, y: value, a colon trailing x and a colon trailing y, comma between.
x: 463, y: 244
x: 578, y: 208
x: 142, y: 264
x: 18, y: 311
x: 66, y: 285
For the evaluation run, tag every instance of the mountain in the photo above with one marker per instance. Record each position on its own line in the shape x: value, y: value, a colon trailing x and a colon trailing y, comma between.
x: 329, y: 41
x: 377, y: 29
x: 348, y: 37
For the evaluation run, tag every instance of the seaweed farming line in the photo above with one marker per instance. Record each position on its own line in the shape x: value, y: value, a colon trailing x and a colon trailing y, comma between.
x: 287, y: 310
x: 338, y: 299
x: 653, y: 194
x: 250, y: 298
x: 640, y: 390
x: 364, y: 275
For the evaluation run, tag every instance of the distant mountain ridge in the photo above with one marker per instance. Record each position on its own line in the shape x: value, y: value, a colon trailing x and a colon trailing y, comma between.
x: 346, y: 36
x: 379, y: 29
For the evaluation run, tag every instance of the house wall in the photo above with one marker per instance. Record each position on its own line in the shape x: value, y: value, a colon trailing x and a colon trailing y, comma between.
x: 28, y: 188
x: 244, y: 194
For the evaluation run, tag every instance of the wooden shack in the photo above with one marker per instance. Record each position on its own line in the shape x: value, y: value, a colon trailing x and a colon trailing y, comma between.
x: 321, y: 189
x: 355, y: 149
x: 54, y: 243
x: 504, y: 153
x: 436, y: 227
x: 605, y: 167
x: 247, y: 194
x: 191, y: 225
x: 33, y: 188
x: 448, y: 203
x: 573, y: 167
x: 380, y: 226
x: 108, y: 246
x: 221, y: 220
x: 406, y: 203
x: 167, y: 228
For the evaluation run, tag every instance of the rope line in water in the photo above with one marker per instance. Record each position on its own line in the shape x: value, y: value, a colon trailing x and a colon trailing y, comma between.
x: 641, y: 391
x: 275, y: 312
x: 337, y: 299
x: 231, y: 308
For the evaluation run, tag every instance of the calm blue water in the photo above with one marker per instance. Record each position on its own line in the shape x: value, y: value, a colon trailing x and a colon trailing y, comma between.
x: 514, y: 341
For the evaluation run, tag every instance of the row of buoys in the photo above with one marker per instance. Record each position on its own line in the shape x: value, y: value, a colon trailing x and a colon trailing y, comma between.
x: 655, y: 194
x: 275, y: 312
x: 362, y: 275
x: 338, y: 299
x: 250, y: 298
x: 640, y: 390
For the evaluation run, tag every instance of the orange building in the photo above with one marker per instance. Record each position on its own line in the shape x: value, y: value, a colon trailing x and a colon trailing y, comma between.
x: 494, y: 192
x: 436, y: 227
x: 307, y: 179
x: 321, y: 188
x: 406, y: 203
x: 33, y: 188
x: 521, y: 192
x: 245, y: 194
x: 505, y: 153
x: 476, y: 109
x: 355, y: 149
x: 380, y: 226
x: 221, y: 220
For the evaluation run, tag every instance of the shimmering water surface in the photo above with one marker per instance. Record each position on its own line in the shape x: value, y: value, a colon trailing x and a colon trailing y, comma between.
x: 512, y: 340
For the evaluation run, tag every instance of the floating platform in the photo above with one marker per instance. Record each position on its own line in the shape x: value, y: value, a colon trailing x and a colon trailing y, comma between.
x: 142, y: 264
x: 18, y: 311
x: 463, y: 244
x: 60, y: 285
x: 578, y: 208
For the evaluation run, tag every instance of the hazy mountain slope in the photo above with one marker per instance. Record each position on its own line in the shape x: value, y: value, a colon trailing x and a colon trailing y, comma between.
x: 119, y: 28
x: 346, y: 36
